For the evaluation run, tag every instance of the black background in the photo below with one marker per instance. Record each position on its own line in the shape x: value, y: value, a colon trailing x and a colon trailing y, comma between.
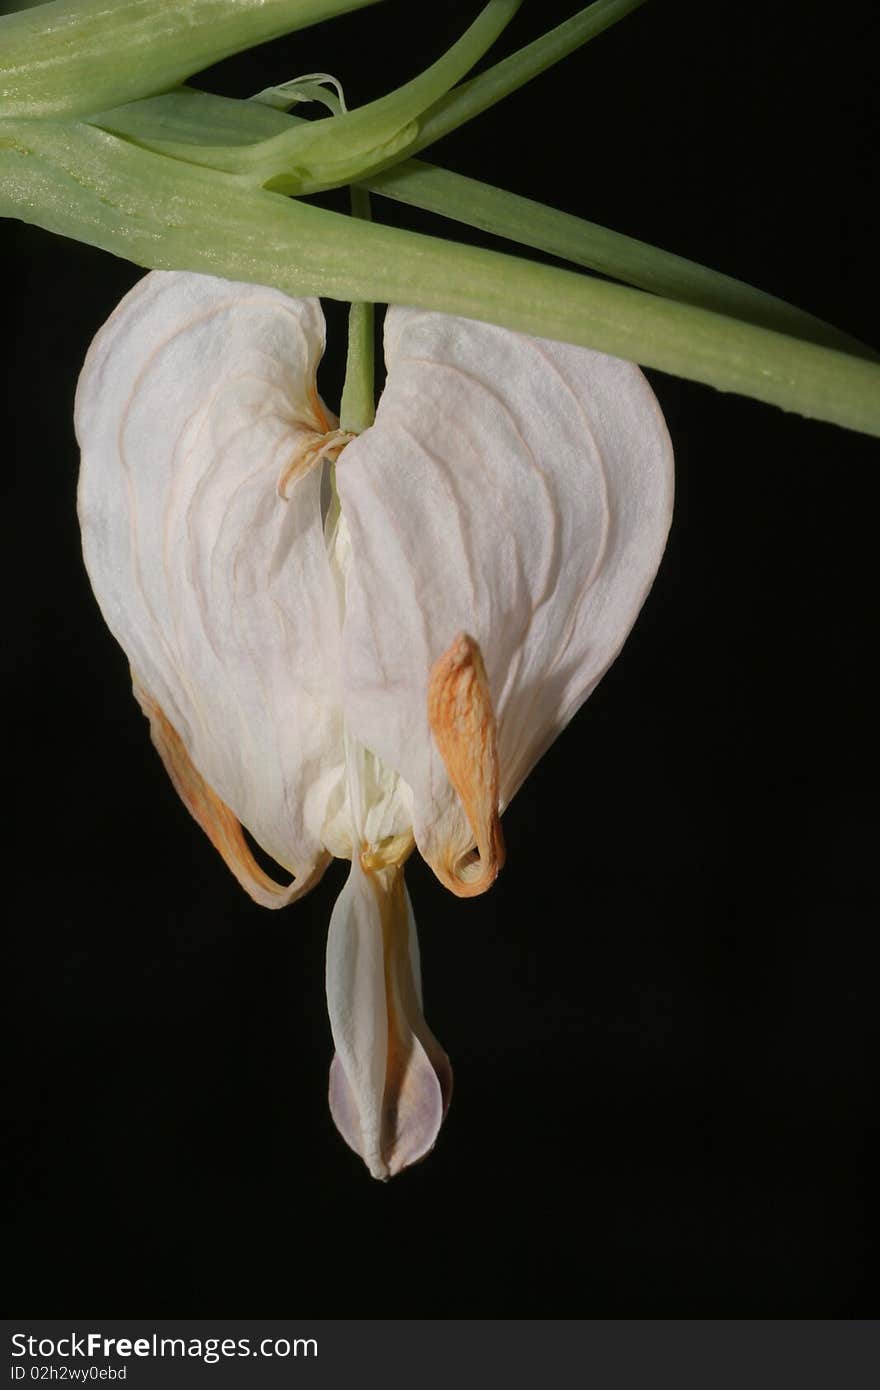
x: 661, y: 1018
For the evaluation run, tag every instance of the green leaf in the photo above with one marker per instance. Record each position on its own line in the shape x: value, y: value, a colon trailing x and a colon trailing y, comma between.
x: 196, y: 126
x: 80, y: 181
x: 598, y: 248
x: 78, y: 56
x: 191, y: 115
x: 311, y: 155
x: 187, y: 117
x: 480, y: 93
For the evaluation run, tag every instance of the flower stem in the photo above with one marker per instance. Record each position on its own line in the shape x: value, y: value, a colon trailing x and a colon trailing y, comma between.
x: 192, y: 117
x: 599, y: 248
x: 358, y: 407
x: 79, y: 181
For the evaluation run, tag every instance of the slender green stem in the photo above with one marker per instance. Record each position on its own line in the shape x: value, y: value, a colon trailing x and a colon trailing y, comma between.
x: 329, y: 151
x: 474, y: 97
x: 598, y: 248
x: 77, y: 180
x: 358, y: 408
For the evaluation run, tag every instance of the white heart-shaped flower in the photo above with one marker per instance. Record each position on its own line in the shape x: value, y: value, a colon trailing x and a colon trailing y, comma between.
x: 349, y: 645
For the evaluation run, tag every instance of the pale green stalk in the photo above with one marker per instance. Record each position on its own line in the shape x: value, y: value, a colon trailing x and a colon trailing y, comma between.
x: 357, y: 409
x: 81, y: 182
x: 73, y: 58
x: 598, y: 248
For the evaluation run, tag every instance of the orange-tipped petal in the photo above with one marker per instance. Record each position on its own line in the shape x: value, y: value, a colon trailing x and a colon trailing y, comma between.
x: 214, y: 816
x: 196, y: 401
x: 463, y: 724
x: 513, y: 488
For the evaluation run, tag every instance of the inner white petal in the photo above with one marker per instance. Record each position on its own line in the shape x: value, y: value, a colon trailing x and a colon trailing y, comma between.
x: 375, y: 804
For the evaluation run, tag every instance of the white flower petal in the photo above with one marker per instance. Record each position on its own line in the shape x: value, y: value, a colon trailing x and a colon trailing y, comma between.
x: 390, y: 1081
x: 197, y: 402
x: 462, y: 721
x: 215, y: 818
x: 515, y: 490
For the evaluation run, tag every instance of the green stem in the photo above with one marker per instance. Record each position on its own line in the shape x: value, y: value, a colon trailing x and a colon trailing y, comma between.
x: 82, y: 182
x: 307, y: 156
x: 598, y: 248
x: 188, y: 116
x: 357, y: 410
x: 474, y: 97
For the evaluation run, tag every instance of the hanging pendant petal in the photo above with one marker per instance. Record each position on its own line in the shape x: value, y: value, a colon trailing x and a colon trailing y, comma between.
x: 390, y: 1081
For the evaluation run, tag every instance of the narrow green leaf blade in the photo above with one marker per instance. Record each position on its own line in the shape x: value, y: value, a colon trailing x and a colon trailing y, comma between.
x: 82, y: 182
x: 190, y: 115
x: 307, y: 156
x: 331, y: 151
x: 471, y: 98
x: 598, y: 248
